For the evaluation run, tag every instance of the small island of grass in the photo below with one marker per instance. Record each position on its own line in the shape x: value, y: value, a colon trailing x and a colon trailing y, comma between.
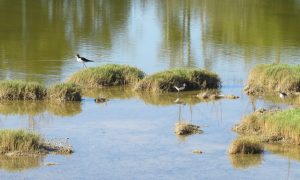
x: 246, y: 145
x: 107, y: 75
x: 21, y: 90
x: 195, y: 79
x: 273, y: 77
x: 64, y: 92
x: 22, y: 143
x: 272, y: 126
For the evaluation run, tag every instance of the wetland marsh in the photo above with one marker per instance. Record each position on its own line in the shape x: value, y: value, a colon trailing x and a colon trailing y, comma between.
x: 131, y: 135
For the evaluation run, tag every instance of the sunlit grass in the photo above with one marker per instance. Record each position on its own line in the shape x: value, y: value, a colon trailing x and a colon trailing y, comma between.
x: 246, y: 145
x: 277, y: 126
x: 195, y: 79
x: 185, y: 128
x: 107, y: 75
x: 21, y: 90
x: 64, y: 92
x: 273, y: 77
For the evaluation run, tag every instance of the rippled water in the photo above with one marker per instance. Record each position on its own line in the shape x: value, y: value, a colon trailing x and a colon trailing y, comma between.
x: 132, y: 135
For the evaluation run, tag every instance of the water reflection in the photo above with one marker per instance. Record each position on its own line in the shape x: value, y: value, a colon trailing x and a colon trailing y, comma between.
x: 36, y: 108
x: 243, y: 161
x: 41, y: 37
x: 20, y: 163
x: 288, y: 151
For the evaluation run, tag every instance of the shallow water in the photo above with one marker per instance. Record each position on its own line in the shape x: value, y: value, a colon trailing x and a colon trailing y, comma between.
x: 132, y: 135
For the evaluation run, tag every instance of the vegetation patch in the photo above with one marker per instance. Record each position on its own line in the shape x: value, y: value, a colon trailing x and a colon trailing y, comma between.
x: 194, y: 79
x: 20, y: 90
x: 273, y: 126
x: 184, y: 128
x: 64, y: 92
x: 107, y: 75
x: 273, y: 77
x: 20, y: 142
x: 246, y: 145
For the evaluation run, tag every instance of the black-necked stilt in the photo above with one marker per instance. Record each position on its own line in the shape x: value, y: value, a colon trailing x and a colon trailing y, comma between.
x: 282, y: 95
x: 180, y: 88
x: 82, y: 59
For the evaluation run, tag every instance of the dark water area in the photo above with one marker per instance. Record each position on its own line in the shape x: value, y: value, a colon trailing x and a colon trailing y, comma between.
x: 131, y: 136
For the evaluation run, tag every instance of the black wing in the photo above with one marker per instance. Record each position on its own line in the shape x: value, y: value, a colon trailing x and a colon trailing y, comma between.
x: 86, y: 60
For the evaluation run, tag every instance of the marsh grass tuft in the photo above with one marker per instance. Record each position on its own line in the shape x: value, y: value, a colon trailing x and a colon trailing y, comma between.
x: 21, y: 142
x: 20, y: 90
x: 184, y: 128
x: 273, y: 77
x: 273, y: 126
x: 107, y: 75
x: 246, y: 145
x: 64, y: 92
x: 195, y: 79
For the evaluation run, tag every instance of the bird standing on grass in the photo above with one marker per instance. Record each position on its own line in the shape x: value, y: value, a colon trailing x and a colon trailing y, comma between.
x: 82, y: 59
x: 282, y: 95
x: 180, y: 88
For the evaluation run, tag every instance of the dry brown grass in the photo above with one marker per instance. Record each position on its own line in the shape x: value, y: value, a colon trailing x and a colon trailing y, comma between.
x: 246, y: 145
x: 184, y: 128
x: 64, y: 92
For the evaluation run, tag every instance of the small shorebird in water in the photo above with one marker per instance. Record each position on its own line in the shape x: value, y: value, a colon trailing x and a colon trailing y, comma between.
x: 282, y: 95
x: 180, y: 88
x: 82, y: 59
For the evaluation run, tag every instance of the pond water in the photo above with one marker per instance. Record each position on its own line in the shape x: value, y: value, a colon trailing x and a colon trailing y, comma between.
x: 132, y: 135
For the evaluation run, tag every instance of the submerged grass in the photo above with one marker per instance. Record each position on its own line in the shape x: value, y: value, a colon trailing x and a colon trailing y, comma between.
x: 273, y: 126
x: 273, y: 77
x: 64, y: 92
x: 246, y: 145
x: 107, y: 75
x: 20, y: 90
x: 195, y: 79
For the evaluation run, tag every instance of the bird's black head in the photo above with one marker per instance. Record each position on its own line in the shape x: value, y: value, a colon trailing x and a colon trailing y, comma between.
x: 77, y: 55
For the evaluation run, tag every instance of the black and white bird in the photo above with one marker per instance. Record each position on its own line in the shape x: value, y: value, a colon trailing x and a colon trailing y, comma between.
x: 180, y: 88
x: 282, y: 95
x: 82, y: 59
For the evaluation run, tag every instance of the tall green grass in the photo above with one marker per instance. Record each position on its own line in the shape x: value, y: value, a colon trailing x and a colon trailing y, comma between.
x: 273, y: 77
x: 107, y: 75
x: 20, y: 90
x: 195, y: 79
x: 19, y: 140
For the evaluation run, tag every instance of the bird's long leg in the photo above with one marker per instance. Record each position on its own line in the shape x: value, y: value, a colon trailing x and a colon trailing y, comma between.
x: 84, y: 65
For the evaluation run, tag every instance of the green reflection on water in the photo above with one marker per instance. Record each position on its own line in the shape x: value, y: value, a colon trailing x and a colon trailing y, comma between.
x: 38, y: 38
x: 19, y: 163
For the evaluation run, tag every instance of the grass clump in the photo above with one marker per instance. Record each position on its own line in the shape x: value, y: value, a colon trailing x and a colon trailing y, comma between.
x: 64, y: 92
x: 246, y: 145
x: 273, y: 126
x: 107, y: 75
x: 273, y: 77
x: 20, y: 90
x: 195, y: 79
x: 19, y: 140
x: 184, y: 128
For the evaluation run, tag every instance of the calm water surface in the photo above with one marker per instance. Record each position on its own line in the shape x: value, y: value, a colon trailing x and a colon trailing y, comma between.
x: 132, y: 135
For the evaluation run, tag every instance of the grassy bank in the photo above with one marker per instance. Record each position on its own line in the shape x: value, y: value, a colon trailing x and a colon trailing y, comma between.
x: 273, y: 77
x: 107, y: 75
x: 246, y: 145
x: 64, y: 92
x: 273, y: 126
x: 20, y: 90
x: 21, y: 142
x: 195, y: 79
